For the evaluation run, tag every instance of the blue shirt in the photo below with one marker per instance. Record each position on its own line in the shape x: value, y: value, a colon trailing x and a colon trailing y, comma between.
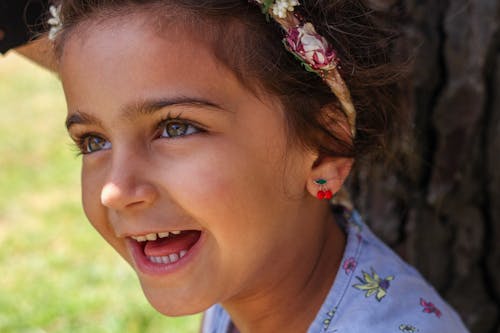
x: 374, y: 291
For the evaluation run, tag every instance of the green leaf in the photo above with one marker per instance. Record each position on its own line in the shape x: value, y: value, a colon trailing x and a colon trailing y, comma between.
x: 380, y: 294
x: 364, y: 287
x: 371, y: 292
x: 266, y: 5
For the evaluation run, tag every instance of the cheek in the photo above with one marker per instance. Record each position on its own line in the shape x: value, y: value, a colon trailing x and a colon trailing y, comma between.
x: 90, y: 193
x: 225, y: 182
x: 97, y: 214
x: 91, y: 199
x: 205, y: 181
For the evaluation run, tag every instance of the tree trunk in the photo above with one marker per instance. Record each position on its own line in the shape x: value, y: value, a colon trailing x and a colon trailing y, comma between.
x: 441, y: 210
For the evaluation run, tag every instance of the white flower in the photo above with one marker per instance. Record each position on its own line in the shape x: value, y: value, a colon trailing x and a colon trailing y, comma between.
x: 54, y: 21
x: 281, y: 7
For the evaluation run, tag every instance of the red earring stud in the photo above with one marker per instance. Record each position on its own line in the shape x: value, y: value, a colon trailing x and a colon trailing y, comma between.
x: 324, y: 193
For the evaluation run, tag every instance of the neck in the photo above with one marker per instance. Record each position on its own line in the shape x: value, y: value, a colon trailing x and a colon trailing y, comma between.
x: 291, y: 302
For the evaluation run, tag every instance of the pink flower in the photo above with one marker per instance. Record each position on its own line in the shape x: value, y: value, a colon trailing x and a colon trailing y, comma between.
x: 311, y: 47
x: 430, y: 308
x: 349, y: 265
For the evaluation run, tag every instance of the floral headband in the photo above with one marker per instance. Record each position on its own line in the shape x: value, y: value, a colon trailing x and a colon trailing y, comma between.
x: 312, y: 49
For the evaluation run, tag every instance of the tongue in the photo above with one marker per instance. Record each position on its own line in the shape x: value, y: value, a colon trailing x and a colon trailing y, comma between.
x: 172, y: 244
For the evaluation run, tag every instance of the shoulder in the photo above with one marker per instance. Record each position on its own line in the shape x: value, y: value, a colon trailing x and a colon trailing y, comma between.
x: 385, y: 294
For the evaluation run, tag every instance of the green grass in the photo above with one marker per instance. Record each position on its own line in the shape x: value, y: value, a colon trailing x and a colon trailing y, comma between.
x: 56, y: 273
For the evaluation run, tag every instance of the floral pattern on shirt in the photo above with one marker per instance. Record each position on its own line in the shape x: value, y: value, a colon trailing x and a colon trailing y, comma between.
x: 406, y: 328
x: 349, y: 265
x: 430, y: 308
x: 374, y: 285
x: 329, y: 317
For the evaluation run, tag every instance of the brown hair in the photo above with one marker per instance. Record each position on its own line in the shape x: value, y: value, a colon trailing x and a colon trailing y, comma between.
x: 251, y: 46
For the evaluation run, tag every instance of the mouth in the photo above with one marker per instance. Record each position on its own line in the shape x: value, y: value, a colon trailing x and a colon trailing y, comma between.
x: 162, y: 252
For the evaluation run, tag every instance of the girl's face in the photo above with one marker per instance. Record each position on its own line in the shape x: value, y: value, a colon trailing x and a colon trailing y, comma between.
x: 173, y: 142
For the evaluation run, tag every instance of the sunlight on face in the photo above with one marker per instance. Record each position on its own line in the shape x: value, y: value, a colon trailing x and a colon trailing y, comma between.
x: 171, y: 142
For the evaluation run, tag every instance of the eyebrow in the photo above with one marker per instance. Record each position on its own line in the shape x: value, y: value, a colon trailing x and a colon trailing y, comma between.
x: 80, y: 118
x: 147, y: 107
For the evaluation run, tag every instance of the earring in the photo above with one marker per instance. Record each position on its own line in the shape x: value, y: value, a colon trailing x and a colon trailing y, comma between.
x: 324, y: 193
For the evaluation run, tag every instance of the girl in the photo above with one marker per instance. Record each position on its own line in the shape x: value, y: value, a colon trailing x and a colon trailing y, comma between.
x: 214, y: 134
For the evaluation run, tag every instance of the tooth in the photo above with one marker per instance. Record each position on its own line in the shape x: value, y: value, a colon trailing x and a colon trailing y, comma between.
x: 182, y: 253
x: 151, y: 237
x: 165, y: 260
x: 173, y: 257
x: 175, y: 232
x: 139, y: 238
x: 163, y: 234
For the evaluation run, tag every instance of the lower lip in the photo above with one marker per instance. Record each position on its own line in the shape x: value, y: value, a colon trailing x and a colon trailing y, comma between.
x: 145, y: 266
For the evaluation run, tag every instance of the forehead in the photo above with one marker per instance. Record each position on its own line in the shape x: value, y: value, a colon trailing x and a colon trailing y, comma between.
x: 133, y: 37
x: 128, y: 58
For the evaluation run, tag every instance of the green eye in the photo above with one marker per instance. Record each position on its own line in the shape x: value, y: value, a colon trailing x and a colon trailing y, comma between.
x: 92, y: 143
x: 177, y: 128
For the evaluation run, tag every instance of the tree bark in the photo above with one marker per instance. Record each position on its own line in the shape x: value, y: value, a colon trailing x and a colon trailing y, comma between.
x: 441, y: 209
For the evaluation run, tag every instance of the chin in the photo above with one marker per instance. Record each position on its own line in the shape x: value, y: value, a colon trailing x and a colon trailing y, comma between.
x: 173, y: 304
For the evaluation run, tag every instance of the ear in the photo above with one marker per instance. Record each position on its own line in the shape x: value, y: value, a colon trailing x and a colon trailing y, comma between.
x: 332, y: 169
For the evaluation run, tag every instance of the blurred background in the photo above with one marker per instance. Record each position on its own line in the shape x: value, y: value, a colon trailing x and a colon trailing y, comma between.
x: 56, y: 273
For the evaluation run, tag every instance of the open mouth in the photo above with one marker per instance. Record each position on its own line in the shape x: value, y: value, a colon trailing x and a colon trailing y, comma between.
x: 164, y: 248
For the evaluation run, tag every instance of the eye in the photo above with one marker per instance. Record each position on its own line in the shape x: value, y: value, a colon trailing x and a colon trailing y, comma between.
x: 176, y: 128
x: 93, y: 143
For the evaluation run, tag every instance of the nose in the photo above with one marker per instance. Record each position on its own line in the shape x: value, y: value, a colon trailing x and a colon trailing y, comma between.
x: 127, y: 187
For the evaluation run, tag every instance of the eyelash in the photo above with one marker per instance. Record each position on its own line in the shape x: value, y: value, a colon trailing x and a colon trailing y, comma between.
x: 172, y: 119
x: 81, y: 141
